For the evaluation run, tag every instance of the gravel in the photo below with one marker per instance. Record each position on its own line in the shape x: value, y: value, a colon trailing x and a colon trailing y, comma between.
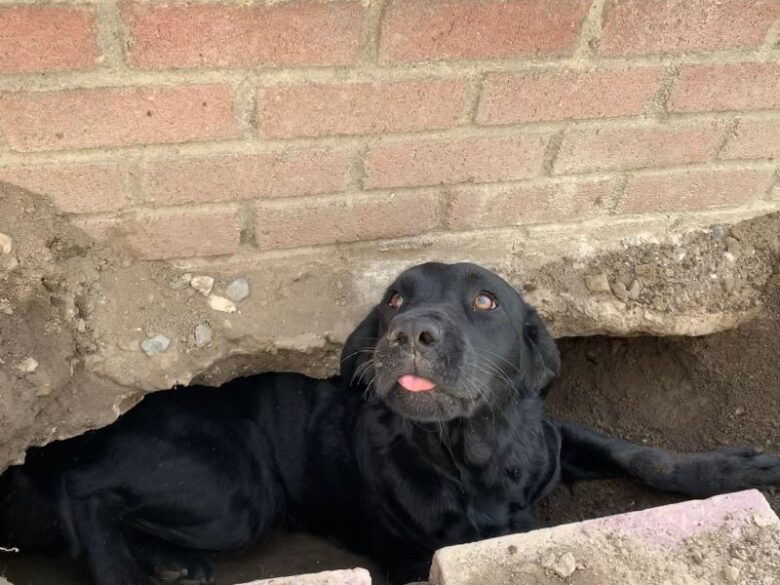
x: 238, y: 289
x: 154, y: 345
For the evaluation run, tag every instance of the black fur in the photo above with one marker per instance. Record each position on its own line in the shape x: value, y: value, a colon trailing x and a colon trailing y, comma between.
x: 390, y: 472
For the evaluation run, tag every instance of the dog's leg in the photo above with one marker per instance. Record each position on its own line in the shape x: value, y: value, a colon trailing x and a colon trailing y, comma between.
x: 172, y: 564
x: 587, y: 454
x: 97, y: 523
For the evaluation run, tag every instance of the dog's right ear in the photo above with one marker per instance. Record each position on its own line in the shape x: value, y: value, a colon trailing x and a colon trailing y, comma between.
x: 359, y: 349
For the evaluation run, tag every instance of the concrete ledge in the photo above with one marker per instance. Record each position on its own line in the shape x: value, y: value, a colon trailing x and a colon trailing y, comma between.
x: 345, y: 577
x: 696, y: 542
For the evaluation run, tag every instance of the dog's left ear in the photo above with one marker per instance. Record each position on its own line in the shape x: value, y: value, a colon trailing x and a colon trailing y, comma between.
x: 541, y: 361
x: 358, y: 348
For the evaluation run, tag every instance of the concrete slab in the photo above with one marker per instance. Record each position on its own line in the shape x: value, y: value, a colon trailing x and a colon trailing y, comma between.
x: 344, y: 577
x: 733, y: 538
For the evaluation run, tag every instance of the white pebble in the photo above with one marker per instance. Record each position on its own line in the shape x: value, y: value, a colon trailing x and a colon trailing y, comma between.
x: 6, y: 244
x: 238, y: 289
x: 731, y: 574
x: 219, y: 303
x: 565, y: 566
x: 203, y: 334
x: 28, y: 365
x: 155, y: 345
x: 180, y: 281
x: 202, y: 284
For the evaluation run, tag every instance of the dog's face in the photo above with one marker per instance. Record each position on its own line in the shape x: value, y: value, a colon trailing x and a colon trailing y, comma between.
x: 448, y: 340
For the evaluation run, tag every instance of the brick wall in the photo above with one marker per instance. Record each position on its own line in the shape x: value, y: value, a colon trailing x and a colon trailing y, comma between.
x: 204, y: 128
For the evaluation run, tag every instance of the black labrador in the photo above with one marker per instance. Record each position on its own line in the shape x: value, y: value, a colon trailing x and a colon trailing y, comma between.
x: 434, y: 434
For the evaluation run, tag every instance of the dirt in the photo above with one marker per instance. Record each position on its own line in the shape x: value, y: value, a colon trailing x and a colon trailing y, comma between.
x: 677, y: 286
x: 687, y: 394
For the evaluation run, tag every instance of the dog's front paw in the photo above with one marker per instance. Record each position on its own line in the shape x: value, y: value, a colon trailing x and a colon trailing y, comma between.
x: 727, y: 470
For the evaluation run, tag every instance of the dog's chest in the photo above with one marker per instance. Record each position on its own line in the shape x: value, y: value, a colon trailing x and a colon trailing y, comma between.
x: 424, y: 489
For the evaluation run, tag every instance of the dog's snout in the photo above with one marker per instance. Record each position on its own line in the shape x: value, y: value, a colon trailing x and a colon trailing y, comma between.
x: 419, y: 333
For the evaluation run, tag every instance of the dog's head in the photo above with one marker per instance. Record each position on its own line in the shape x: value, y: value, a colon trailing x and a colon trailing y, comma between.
x: 447, y: 340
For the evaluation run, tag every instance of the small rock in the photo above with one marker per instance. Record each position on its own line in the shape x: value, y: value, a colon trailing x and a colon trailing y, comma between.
x: 5, y: 307
x: 729, y: 257
x: 733, y: 245
x: 731, y: 574
x: 565, y: 566
x: 154, y: 345
x: 512, y: 549
x: 697, y: 557
x: 761, y: 521
x: 221, y: 304
x: 202, y: 284
x: 6, y: 244
x: 28, y: 365
x: 635, y: 289
x: 739, y: 411
x: 547, y: 561
x: 203, y: 334
x: 718, y: 232
x: 180, y: 281
x: 43, y: 390
x: 679, y: 254
x: 729, y: 283
x: 238, y: 289
x: 620, y: 291
x: 597, y: 283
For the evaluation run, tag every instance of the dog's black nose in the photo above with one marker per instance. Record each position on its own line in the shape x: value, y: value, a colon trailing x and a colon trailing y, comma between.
x: 419, y: 332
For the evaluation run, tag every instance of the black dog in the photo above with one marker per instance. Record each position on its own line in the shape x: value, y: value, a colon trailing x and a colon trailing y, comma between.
x: 433, y: 435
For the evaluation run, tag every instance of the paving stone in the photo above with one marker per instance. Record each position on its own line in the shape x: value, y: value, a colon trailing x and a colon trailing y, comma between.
x: 345, y: 577
x: 660, y: 535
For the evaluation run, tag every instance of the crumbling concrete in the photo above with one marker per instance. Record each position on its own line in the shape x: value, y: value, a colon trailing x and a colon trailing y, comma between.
x: 726, y: 539
x: 85, y: 329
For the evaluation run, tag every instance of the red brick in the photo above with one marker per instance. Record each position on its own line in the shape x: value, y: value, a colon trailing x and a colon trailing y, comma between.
x: 593, y: 149
x: 76, y: 188
x: 562, y: 94
x: 47, y: 38
x: 665, y: 26
x: 170, y: 233
x: 313, y: 222
x: 736, y: 86
x: 231, y: 178
x: 694, y: 189
x: 89, y: 118
x: 359, y: 108
x: 477, y: 159
x: 213, y: 35
x: 527, y: 203
x: 754, y: 139
x: 463, y: 29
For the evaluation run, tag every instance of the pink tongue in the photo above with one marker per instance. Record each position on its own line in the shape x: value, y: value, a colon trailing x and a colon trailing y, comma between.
x: 415, y: 383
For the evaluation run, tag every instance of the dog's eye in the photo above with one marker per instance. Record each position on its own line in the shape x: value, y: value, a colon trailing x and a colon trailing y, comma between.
x: 396, y: 300
x: 484, y: 302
